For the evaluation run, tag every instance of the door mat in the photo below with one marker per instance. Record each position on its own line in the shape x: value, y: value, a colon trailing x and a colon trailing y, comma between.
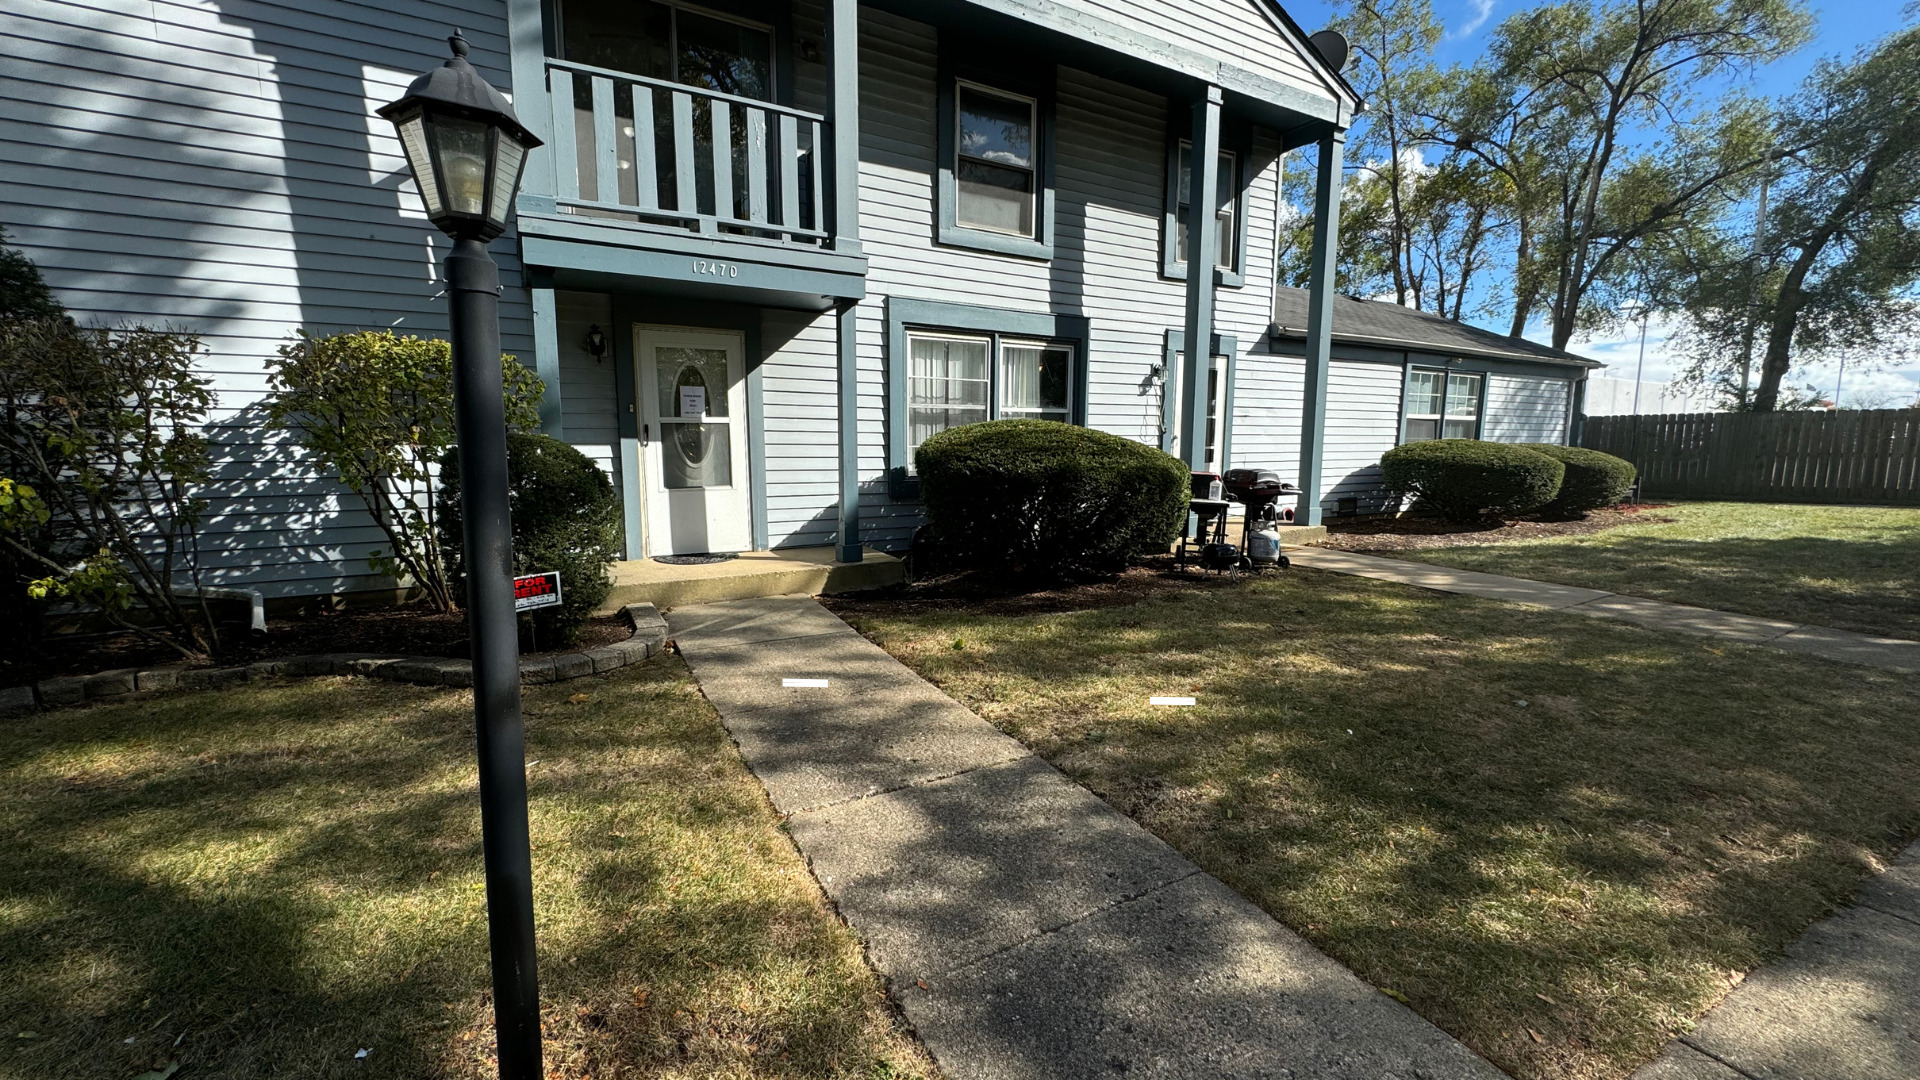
x: 695, y: 560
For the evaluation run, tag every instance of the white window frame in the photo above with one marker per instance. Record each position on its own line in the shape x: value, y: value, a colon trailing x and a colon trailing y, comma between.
x: 1032, y: 168
x: 1441, y: 419
x: 996, y: 345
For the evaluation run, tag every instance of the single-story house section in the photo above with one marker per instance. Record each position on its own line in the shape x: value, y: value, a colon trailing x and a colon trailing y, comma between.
x: 1401, y: 375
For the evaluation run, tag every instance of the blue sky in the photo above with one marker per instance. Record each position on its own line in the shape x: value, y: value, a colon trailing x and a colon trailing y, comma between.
x: 1841, y: 27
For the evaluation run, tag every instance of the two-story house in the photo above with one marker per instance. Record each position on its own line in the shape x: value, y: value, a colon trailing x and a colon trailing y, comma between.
x: 768, y: 247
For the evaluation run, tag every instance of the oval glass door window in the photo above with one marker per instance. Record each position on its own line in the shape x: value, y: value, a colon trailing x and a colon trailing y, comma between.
x: 698, y: 455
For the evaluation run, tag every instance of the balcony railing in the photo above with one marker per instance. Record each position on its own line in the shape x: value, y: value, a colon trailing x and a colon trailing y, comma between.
x: 640, y: 149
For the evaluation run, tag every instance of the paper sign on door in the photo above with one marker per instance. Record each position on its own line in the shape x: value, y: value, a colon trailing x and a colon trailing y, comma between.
x: 693, y: 401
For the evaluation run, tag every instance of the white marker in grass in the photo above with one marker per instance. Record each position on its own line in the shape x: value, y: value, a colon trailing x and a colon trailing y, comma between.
x: 1170, y: 701
x: 803, y: 682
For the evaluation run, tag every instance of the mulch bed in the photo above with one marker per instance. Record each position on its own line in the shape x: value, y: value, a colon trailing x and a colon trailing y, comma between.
x: 987, y: 595
x: 412, y: 630
x: 1410, y: 533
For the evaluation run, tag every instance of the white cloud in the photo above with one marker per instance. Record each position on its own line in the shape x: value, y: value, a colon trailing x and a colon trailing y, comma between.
x: 1482, y: 10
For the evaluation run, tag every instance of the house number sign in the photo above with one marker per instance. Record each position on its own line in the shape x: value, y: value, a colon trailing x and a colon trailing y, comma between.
x: 711, y: 268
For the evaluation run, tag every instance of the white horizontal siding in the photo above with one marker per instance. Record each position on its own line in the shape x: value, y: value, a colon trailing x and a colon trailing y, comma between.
x: 1239, y: 31
x: 590, y: 421
x: 1363, y: 422
x: 1527, y: 408
x: 218, y: 168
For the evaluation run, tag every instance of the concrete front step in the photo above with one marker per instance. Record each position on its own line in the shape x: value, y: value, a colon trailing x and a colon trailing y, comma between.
x: 753, y: 574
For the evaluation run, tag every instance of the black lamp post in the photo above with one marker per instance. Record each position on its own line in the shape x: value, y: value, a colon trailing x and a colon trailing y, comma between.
x: 466, y: 150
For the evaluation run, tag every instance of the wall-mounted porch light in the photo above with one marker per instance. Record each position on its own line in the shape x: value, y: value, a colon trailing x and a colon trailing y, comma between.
x: 596, y: 342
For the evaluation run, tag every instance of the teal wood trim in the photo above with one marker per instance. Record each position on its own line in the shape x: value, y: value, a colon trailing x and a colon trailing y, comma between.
x: 628, y: 234
x: 527, y: 57
x: 904, y: 313
x: 1202, y: 254
x: 1319, y: 343
x: 1577, y: 412
x: 1028, y: 76
x: 1406, y: 396
x: 1236, y: 136
x: 1094, y: 44
x: 684, y: 270
x: 546, y: 355
x: 1226, y: 345
x: 843, y: 97
x: 847, y: 350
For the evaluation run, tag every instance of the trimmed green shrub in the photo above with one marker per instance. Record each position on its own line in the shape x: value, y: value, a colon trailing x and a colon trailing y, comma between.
x: 1593, y: 479
x: 1467, y: 480
x: 1041, y: 500
x: 565, y: 518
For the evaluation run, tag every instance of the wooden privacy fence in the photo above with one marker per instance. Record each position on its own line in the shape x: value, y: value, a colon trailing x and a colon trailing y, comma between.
x: 1867, y: 456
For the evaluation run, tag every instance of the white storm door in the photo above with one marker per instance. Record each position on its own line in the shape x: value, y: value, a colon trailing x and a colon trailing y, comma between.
x: 693, y: 415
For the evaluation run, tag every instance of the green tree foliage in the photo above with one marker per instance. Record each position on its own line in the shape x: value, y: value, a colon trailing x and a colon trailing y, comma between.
x: 1040, y: 500
x: 565, y: 517
x: 1556, y: 106
x: 102, y: 452
x: 23, y: 293
x: 377, y: 408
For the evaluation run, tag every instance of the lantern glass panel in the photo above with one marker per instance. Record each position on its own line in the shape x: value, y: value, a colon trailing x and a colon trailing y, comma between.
x: 413, y: 139
x: 508, y: 155
x: 462, y: 146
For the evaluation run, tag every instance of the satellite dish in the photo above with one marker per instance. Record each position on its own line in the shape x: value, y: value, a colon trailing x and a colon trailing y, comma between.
x: 1332, y: 48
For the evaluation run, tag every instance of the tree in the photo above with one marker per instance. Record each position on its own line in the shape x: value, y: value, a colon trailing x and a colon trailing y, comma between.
x: 1843, y: 251
x: 23, y: 292
x: 378, y: 409
x: 1553, y: 108
x: 1361, y: 264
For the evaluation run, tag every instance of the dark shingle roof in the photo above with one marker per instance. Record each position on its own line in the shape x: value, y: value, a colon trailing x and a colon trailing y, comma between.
x: 1390, y: 326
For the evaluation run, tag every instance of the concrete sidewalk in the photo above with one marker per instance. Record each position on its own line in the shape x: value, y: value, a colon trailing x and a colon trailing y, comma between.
x: 1029, y: 931
x: 1843, y: 1004
x: 1893, y: 654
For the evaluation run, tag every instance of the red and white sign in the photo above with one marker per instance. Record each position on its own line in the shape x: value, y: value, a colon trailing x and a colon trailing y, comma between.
x: 536, y: 591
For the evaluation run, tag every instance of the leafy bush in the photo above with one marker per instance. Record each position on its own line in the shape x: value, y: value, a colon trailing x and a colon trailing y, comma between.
x: 1040, y: 499
x: 565, y: 518
x: 100, y: 454
x: 1466, y: 479
x: 1593, y: 479
x: 378, y: 409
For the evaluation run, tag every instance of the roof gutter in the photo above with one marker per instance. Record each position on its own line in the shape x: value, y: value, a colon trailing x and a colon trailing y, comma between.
x: 1566, y: 360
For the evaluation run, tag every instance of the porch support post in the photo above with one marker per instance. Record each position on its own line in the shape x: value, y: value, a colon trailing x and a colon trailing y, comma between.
x: 527, y: 56
x: 1203, y: 252
x: 1320, y: 296
x: 546, y: 354
x: 843, y: 112
x: 847, y: 346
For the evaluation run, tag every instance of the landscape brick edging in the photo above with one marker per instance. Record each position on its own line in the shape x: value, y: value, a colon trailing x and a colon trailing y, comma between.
x: 649, y: 635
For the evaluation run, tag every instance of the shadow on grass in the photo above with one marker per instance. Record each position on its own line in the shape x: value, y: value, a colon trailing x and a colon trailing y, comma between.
x: 1529, y: 824
x: 266, y: 880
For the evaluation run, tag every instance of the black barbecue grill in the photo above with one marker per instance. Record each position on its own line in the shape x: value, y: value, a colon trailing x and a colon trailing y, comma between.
x: 1203, y: 539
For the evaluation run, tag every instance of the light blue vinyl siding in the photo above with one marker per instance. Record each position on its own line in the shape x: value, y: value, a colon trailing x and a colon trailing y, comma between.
x: 216, y: 167
x: 1527, y: 408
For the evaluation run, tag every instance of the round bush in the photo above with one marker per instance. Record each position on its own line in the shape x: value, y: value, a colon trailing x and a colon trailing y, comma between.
x: 1038, y: 499
x: 1467, y: 480
x: 565, y: 518
x: 1593, y: 479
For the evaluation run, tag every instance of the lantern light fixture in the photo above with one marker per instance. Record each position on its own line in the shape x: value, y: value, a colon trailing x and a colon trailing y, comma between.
x: 464, y: 145
x: 596, y: 342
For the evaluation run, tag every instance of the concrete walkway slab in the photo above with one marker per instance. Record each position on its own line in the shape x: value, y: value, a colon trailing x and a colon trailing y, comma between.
x: 1897, y: 890
x: 1189, y: 981
x: 948, y: 872
x: 1682, y: 1062
x: 1894, y: 654
x: 1839, y: 1006
x: 1060, y: 939
x: 1446, y: 579
x: 1680, y: 618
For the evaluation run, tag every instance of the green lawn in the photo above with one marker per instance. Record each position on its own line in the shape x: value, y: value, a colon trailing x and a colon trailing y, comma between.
x: 1852, y: 567
x: 1559, y: 838
x: 264, y: 881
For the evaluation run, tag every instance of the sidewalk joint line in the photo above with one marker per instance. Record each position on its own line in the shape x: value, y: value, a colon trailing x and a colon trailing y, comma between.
x: 848, y: 632
x: 1110, y: 905
x: 922, y: 782
x: 1883, y: 911
x: 1687, y: 1041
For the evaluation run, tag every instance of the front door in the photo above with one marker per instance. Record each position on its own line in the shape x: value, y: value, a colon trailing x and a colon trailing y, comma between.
x: 693, y: 434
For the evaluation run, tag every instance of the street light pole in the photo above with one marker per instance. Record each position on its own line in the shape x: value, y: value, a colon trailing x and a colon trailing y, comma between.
x: 480, y: 423
x: 467, y: 150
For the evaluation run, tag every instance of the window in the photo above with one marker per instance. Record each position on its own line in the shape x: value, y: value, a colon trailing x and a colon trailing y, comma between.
x: 993, y: 161
x: 950, y: 382
x: 1225, y: 217
x: 1442, y: 405
x: 993, y: 174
